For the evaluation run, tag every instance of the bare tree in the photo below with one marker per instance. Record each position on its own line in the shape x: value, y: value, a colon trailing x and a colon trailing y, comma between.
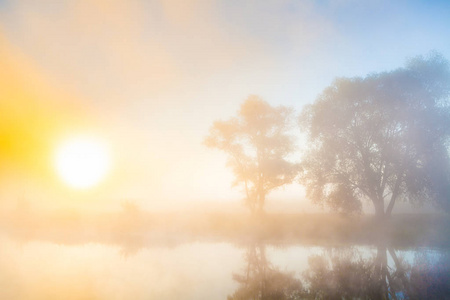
x: 258, y: 144
x: 381, y: 138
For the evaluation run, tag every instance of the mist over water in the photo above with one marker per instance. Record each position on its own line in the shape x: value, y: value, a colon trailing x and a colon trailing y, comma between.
x: 43, y: 269
x: 216, y: 256
x: 239, y: 150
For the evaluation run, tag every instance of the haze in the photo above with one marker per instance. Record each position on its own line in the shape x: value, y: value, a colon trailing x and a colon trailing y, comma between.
x: 151, y: 76
x: 219, y: 149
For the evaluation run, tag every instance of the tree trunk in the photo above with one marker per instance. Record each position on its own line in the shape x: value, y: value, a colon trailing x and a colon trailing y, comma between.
x: 390, y: 208
x: 379, y: 208
x: 262, y: 199
x: 381, y: 271
x: 393, y: 198
x: 395, y: 193
x: 400, y: 271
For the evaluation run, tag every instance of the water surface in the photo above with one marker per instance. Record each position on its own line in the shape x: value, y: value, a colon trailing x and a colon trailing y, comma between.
x: 37, y: 269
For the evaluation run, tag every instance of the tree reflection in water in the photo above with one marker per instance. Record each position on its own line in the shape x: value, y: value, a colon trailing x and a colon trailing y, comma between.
x: 347, y: 274
x: 261, y: 280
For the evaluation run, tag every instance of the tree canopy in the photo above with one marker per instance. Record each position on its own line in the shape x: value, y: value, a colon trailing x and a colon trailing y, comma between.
x: 258, y: 143
x: 381, y: 138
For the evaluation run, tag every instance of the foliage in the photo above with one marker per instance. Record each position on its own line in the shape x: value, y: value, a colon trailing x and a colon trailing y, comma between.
x: 346, y: 273
x: 262, y: 281
x: 344, y: 276
x: 258, y: 144
x: 381, y: 138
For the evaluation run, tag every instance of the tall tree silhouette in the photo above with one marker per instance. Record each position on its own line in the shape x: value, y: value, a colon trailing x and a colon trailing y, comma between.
x: 381, y: 138
x: 257, y: 143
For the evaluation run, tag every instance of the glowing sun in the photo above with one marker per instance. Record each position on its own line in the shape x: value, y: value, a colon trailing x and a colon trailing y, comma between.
x: 82, y: 161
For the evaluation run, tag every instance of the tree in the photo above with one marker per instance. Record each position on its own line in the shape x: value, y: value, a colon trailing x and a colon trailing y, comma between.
x: 349, y: 275
x: 258, y: 144
x: 381, y: 138
x: 261, y: 280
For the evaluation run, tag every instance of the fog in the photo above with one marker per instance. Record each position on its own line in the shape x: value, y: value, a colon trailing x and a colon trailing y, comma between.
x: 224, y: 150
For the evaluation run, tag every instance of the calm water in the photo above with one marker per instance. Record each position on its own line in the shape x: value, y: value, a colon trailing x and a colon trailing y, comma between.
x: 34, y: 269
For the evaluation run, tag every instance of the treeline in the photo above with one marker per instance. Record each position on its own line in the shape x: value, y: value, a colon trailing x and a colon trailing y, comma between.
x: 381, y: 139
x: 147, y: 229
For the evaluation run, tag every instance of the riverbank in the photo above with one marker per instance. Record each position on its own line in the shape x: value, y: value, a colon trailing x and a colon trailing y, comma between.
x: 400, y: 231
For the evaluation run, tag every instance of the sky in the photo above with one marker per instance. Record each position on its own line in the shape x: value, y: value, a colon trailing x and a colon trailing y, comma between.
x: 150, y: 77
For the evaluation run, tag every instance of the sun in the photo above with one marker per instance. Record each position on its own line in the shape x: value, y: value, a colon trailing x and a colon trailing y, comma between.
x: 82, y: 161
